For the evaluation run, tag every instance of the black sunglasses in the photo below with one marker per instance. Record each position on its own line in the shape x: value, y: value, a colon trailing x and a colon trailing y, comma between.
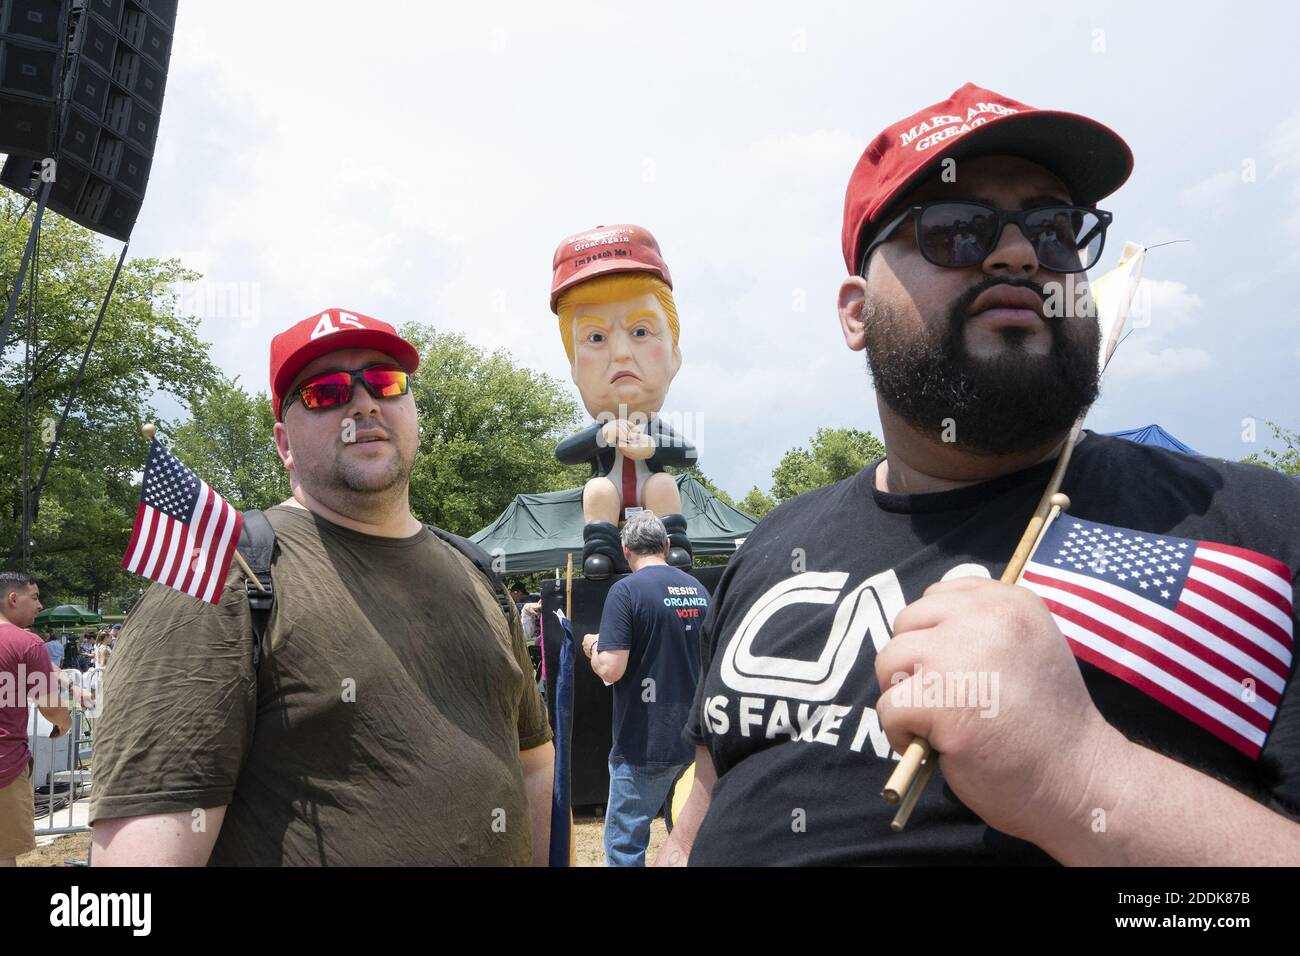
x: 960, y: 234
x: 334, y: 388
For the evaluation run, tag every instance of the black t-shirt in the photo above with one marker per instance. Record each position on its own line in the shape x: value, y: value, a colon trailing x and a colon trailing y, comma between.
x: 788, y: 686
x: 656, y: 615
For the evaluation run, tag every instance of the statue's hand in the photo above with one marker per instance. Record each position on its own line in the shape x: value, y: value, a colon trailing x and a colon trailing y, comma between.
x: 636, y: 444
x: 639, y: 452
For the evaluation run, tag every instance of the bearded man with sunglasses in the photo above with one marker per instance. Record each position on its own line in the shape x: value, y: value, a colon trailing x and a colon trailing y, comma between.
x: 391, y: 718
x: 864, y: 614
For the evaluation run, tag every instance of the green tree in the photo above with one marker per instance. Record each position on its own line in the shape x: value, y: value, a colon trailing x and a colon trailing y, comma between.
x: 488, y: 431
x: 80, y: 549
x: 145, y: 348
x: 1286, y: 460
x: 835, y: 454
x: 702, y: 478
x: 229, y: 442
x: 757, y: 504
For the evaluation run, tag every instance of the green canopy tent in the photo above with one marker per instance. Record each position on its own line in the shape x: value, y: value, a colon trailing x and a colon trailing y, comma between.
x: 538, y: 532
x: 67, y: 615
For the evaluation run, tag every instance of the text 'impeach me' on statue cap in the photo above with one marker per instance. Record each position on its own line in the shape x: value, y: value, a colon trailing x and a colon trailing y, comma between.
x: 605, y: 249
x: 329, y: 331
x: 1088, y: 157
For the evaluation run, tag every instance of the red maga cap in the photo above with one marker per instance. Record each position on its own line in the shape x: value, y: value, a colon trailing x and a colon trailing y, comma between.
x: 1089, y: 158
x: 329, y: 331
x: 623, y: 248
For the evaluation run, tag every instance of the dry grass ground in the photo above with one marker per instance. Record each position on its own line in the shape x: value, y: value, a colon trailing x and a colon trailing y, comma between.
x: 74, y: 846
x: 589, y: 839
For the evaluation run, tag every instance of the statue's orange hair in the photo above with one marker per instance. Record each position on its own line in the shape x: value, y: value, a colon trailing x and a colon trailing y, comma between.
x: 614, y: 288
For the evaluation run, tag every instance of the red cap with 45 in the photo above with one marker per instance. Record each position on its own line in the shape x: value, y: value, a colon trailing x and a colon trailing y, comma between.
x: 329, y: 331
x: 1088, y: 157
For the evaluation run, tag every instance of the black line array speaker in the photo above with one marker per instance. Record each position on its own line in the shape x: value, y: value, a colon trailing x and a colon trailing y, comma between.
x: 32, y: 34
x: 112, y: 93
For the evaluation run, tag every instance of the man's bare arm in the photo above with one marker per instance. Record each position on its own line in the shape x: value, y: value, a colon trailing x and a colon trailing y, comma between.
x: 184, y: 838
x: 49, y: 702
x: 1197, y: 821
x: 677, y: 850
x: 539, y: 781
x: 60, y: 717
x: 609, y: 666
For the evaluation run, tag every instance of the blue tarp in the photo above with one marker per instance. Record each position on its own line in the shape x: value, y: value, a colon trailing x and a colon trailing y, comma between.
x: 1154, y: 435
x: 561, y: 810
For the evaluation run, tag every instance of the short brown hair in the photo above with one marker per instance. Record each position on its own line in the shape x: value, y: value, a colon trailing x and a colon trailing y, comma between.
x: 11, y: 581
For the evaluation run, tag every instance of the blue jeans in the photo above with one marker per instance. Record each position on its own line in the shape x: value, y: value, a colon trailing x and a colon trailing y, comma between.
x: 635, y: 795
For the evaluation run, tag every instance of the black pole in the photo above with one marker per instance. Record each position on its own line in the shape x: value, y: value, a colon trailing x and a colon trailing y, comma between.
x: 26, y: 476
x: 76, y: 384
x: 22, y: 269
x: 32, y: 293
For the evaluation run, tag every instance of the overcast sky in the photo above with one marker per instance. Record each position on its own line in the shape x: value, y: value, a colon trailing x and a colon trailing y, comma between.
x: 420, y: 162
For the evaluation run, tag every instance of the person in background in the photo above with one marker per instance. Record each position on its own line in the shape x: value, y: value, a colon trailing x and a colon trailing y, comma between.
x: 71, y: 652
x: 529, y: 611
x: 22, y: 661
x: 102, y: 649
x: 648, y: 649
x: 54, y: 649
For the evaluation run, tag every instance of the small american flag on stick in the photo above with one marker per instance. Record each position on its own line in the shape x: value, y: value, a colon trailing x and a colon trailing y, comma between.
x: 1204, y: 628
x: 185, y: 533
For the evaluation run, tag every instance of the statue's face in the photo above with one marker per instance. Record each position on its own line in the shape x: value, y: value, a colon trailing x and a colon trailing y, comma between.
x: 623, y: 356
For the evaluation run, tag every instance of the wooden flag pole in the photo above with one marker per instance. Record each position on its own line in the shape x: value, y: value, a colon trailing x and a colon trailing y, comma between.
x: 903, y: 788
x: 150, y: 430
x: 249, y: 571
x: 568, y: 588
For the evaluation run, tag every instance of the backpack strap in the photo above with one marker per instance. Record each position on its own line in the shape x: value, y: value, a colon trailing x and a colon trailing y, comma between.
x: 257, y: 545
x: 483, y: 561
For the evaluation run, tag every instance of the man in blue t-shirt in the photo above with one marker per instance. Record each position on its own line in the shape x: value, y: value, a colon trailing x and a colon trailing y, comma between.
x: 648, y: 649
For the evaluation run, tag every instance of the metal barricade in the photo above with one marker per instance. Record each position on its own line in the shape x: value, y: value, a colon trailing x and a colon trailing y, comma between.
x: 61, y: 766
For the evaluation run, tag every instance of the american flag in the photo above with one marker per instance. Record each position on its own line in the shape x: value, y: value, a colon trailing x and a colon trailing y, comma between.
x: 185, y: 533
x: 1204, y: 628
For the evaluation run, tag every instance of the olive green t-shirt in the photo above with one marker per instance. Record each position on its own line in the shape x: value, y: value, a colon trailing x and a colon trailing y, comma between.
x: 382, y: 726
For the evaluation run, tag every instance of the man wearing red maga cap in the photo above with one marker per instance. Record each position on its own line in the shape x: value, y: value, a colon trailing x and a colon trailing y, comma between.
x: 388, y: 675
x: 867, y: 613
x: 613, y: 295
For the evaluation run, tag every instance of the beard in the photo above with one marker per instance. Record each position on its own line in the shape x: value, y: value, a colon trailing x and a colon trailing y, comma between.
x: 362, y: 482
x: 1016, y: 401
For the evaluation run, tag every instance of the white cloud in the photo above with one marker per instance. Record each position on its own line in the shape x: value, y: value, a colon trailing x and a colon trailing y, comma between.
x: 1161, y: 306
x: 805, y: 156
x: 1283, y: 149
x: 1213, y: 196
x: 1153, y: 365
x: 1282, y: 146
